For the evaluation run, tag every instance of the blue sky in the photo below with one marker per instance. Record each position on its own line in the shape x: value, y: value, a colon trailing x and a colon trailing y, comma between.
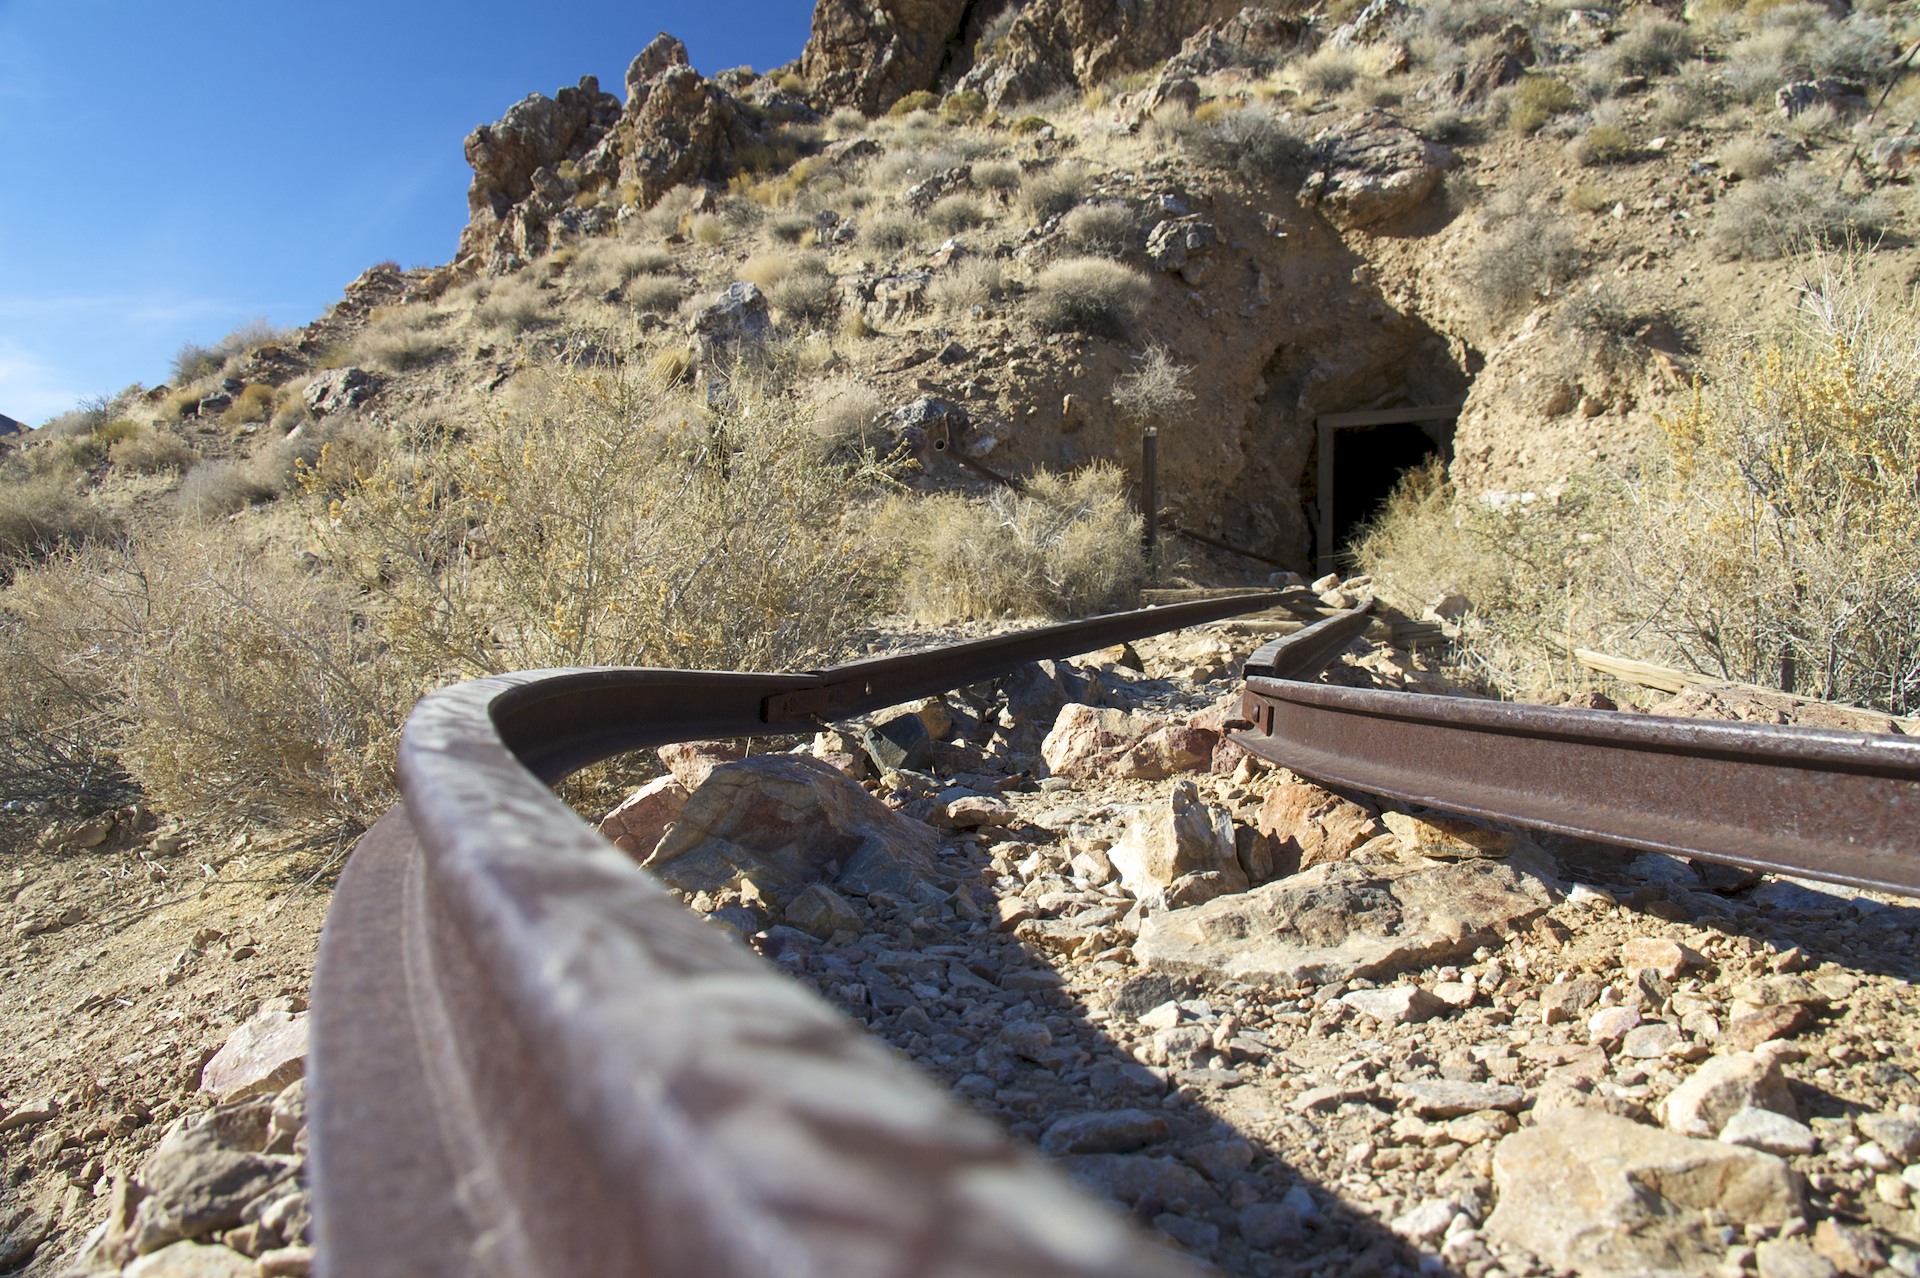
x: 172, y: 171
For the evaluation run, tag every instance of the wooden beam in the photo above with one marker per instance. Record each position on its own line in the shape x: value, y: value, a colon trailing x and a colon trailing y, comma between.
x: 1391, y: 416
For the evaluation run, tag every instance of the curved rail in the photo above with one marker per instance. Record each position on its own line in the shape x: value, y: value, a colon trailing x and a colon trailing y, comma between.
x: 530, y: 1059
x: 1840, y: 806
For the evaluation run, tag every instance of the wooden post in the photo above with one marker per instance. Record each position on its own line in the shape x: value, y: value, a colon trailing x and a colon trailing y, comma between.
x: 1323, y: 553
x: 1150, y: 490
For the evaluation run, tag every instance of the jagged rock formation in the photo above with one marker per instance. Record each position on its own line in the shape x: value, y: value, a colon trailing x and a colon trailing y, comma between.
x: 550, y: 164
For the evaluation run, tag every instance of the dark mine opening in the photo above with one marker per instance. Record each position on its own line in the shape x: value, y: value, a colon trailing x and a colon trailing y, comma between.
x: 1361, y: 457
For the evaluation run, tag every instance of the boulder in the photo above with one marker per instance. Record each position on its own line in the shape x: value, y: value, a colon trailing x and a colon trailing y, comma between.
x: 1395, y: 1005
x: 261, y: 1057
x: 1165, y: 842
x: 339, y: 390
x: 1371, y: 168
x: 637, y: 824
x: 786, y: 821
x: 1338, y: 921
x: 1591, y: 1192
x: 1167, y: 751
x: 193, y: 1260
x: 1448, y: 838
x: 1722, y: 1087
x: 205, y: 1172
x: 901, y: 741
x: 1119, y: 1131
x: 691, y: 762
x: 1086, y: 739
x: 1312, y: 825
x: 1371, y: 25
x: 1800, y: 95
x: 739, y: 314
x: 1171, y: 243
x: 820, y: 911
x: 22, y: 1230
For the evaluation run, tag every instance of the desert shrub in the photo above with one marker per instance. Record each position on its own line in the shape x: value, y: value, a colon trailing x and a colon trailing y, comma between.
x: 1604, y: 144
x: 842, y: 413
x: 846, y: 122
x: 192, y: 362
x: 1773, y: 527
x: 1788, y: 484
x: 971, y: 282
x: 1068, y: 545
x: 1328, y: 70
x: 253, y: 404
x: 232, y: 683
x: 605, y: 265
x: 891, y: 232
x: 1453, y: 127
x: 918, y: 100
x: 997, y: 175
x: 956, y: 213
x: 56, y: 746
x: 764, y: 270
x: 608, y: 521
x: 809, y: 296
x: 1651, y: 45
x: 964, y: 106
x: 1103, y: 230
x: 42, y: 513
x: 1253, y: 142
x: 153, y: 452
x: 709, y: 229
x: 1089, y: 295
x: 1536, y: 99
x: 1029, y: 124
x: 1523, y: 258
x: 512, y: 306
x: 1523, y: 560
x: 1778, y: 215
x: 655, y: 295
x: 1750, y: 157
x: 221, y: 488
x: 1052, y: 191
x: 1681, y: 103
x: 791, y: 228
x: 1156, y: 390
x: 398, y: 348
x: 1589, y: 198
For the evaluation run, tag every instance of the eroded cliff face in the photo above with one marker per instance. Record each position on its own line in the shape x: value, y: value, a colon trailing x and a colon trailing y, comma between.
x: 868, y: 54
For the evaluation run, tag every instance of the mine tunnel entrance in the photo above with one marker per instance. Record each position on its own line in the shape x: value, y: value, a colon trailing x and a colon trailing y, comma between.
x: 1361, y: 456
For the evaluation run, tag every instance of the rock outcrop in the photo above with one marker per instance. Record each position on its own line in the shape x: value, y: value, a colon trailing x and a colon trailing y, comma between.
x: 868, y: 54
x: 566, y: 164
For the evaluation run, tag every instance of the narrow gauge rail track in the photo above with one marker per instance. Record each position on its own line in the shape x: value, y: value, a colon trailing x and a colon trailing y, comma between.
x: 530, y: 1060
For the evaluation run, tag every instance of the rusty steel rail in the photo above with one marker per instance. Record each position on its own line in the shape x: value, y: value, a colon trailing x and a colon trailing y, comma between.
x: 529, y: 1059
x: 1823, y: 804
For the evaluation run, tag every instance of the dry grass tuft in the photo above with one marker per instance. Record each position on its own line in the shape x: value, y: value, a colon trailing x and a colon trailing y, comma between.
x: 1089, y: 295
